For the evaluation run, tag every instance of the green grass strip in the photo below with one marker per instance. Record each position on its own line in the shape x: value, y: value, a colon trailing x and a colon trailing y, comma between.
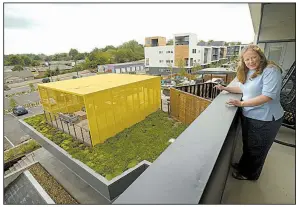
x: 20, y: 150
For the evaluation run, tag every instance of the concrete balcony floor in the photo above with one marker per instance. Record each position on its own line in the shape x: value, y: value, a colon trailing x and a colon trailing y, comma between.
x: 276, y: 184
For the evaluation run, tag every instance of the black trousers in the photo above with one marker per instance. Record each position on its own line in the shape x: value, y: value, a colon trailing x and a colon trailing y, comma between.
x: 258, y: 137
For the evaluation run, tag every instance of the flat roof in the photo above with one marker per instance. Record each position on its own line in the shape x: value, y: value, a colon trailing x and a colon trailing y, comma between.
x: 92, y: 84
x: 215, y: 71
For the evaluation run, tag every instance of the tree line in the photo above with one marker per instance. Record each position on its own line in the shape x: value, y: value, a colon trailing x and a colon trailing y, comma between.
x: 128, y: 51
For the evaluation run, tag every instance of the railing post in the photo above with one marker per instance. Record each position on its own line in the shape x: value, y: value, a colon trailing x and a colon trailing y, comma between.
x: 50, y: 118
x: 62, y: 124
x: 45, y: 116
x: 210, y: 90
x: 68, y: 128
x: 202, y: 90
x: 90, y: 138
x: 56, y: 121
x: 198, y: 90
x: 74, y: 131
x: 82, y: 134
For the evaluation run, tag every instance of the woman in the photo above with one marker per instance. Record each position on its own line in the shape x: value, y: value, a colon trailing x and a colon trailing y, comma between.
x: 262, y: 114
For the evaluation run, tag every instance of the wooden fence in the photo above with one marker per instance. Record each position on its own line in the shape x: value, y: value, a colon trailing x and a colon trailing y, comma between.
x: 186, y: 107
x: 204, y: 90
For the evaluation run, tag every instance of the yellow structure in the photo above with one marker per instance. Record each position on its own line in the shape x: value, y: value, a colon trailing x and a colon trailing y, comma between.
x: 112, y: 102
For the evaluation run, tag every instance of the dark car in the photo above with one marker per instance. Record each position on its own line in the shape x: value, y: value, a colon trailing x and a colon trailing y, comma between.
x: 19, y: 110
x: 45, y: 80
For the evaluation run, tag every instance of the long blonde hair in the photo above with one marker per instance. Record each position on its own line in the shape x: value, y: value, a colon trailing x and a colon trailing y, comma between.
x: 242, y: 69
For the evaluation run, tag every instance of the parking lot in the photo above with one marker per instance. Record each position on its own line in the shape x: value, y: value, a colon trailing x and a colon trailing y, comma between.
x: 12, y: 132
x: 22, y: 99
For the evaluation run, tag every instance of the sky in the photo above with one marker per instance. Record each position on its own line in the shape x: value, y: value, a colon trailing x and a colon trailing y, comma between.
x: 55, y: 28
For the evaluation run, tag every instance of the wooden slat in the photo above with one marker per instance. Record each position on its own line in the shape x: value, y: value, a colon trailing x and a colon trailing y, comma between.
x: 186, y: 107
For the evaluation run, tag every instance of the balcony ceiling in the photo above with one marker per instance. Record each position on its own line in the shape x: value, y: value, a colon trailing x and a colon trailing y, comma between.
x: 278, y: 14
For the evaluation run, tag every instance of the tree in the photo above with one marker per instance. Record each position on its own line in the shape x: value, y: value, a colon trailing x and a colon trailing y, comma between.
x: 35, y: 63
x: 183, y: 72
x: 213, y: 65
x: 181, y: 66
x: 27, y: 61
x: 108, y: 47
x: 171, y: 69
x: 49, y: 73
x: 73, y: 53
x: 32, y: 88
x: 201, y: 41
x: 12, y: 103
x: 17, y: 68
x: 79, y: 56
x: 15, y: 60
x: 170, y: 42
x: 57, y: 70
x: 196, y: 68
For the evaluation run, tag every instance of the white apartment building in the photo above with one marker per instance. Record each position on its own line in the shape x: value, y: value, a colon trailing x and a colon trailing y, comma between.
x: 159, y: 56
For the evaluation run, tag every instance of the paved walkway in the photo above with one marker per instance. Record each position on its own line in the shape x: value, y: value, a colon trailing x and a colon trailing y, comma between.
x: 75, y: 186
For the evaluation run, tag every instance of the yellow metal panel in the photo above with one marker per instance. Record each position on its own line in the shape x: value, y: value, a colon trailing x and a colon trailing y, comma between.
x: 92, y: 122
x: 93, y: 84
x: 118, y: 108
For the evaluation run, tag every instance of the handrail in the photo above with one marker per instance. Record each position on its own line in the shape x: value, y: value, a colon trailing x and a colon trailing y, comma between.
x: 190, y: 171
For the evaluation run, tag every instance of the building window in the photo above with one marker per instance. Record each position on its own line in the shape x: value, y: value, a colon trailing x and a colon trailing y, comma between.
x: 193, y: 50
x: 168, y: 51
x: 147, y: 41
x: 172, y: 61
x: 194, y: 61
x: 160, y: 52
x: 168, y: 70
x: 147, y: 61
x: 171, y: 51
x: 160, y: 61
x: 168, y: 61
x: 198, y: 51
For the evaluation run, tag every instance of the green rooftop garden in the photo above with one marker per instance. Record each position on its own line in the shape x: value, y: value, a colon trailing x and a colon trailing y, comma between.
x: 145, y: 140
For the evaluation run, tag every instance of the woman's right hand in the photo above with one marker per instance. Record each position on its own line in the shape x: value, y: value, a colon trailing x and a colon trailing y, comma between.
x: 219, y: 87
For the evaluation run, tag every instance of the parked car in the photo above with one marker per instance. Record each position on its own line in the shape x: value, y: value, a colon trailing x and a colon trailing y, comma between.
x: 6, y: 88
x: 45, y: 80
x: 19, y: 110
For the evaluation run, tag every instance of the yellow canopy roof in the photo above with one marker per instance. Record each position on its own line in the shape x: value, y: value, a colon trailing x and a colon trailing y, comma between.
x: 92, y: 84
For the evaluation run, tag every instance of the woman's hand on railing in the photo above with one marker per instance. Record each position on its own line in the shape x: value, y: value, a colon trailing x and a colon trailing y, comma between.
x: 220, y: 87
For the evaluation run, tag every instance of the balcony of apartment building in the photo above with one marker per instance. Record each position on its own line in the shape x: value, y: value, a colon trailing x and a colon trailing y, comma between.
x: 215, y: 54
x: 222, y: 52
x: 154, y: 43
x: 182, y: 40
